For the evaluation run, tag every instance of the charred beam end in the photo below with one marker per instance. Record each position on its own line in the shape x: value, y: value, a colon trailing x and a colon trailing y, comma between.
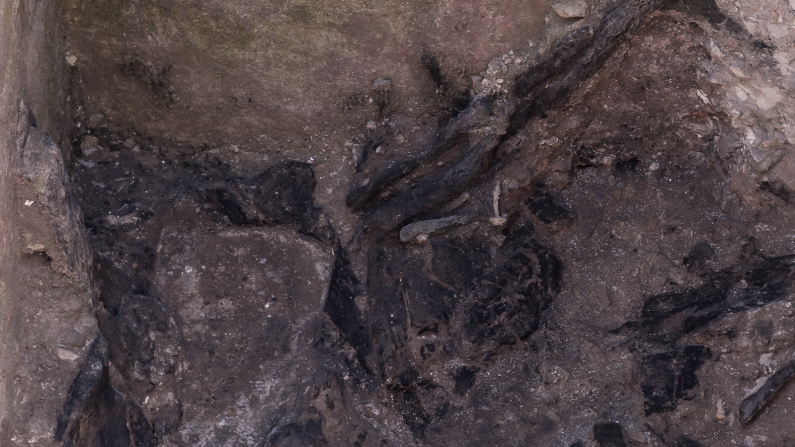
x: 438, y: 188
x: 571, y: 45
x: 669, y: 316
x: 752, y: 405
x: 454, y: 132
x: 341, y: 307
x: 614, y: 24
x: 568, y: 47
x: 84, y: 388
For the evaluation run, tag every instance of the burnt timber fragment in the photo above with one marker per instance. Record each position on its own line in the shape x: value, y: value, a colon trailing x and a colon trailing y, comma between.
x: 669, y: 316
x: 454, y: 133
x: 480, y: 128
x: 671, y: 376
x: 753, y: 405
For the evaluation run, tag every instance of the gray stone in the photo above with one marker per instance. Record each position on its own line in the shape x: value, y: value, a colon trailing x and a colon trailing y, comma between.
x: 382, y: 84
x: 575, y: 9
x: 242, y: 299
x: 52, y: 224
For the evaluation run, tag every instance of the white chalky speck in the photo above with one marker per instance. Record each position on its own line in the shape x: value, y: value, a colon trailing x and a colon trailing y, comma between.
x: 703, y: 96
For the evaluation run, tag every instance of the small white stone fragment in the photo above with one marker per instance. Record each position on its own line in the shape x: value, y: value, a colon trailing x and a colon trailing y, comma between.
x: 124, y: 220
x: 65, y: 354
x: 571, y: 9
x: 737, y: 72
x: 550, y: 142
x: 496, y: 198
x: 721, y: 413
x: 382, y: 83
x: 740, y: 92
x: 498, y: 221
x: 703, y: 96
x: 71, y: 59
x: 28, y: 202
x: 768, y: 97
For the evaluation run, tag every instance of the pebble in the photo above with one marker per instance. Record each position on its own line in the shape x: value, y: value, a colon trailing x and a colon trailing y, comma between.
x: 381, y: 83
x: 571, y: 9
x: 498, y: 221
x: 702, y: 96
x: 65, y: 354
x: 71, y: 59
x: 720, y: 414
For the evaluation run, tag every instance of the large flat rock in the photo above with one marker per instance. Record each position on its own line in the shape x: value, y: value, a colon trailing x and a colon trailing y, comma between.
x: 241, y: 299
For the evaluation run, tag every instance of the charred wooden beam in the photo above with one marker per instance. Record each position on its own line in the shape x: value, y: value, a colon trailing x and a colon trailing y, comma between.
x: 436, y: 189
x: 615, y: 24
x: 576, y: 57
x: 454, y: 133
x: 753, y: 405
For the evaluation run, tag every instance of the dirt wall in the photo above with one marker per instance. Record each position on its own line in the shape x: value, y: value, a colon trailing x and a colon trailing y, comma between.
x: 275, y: 74
x: 46, y: 317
